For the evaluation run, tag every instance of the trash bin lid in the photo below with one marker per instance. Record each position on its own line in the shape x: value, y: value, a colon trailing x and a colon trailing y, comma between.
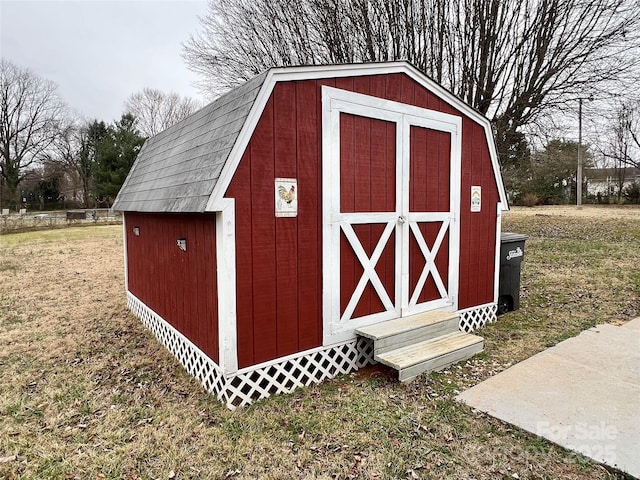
x: 508, y: 237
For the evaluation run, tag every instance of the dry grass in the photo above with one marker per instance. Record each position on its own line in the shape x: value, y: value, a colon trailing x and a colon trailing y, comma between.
x: 15, y: 223
x: 86, y: 391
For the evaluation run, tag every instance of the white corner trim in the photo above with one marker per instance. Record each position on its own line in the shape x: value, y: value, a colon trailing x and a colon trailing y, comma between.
x: 496, y: 268
x: 330, y: 198
x: 456, y: 208
x: 317, y: 72
x: 226, y: 275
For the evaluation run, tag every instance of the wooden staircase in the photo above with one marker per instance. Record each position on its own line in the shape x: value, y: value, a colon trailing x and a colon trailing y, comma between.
x: 420, y: 343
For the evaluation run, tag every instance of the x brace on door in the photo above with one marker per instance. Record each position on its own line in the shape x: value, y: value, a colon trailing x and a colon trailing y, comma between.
x: 429, y: 258
x: 368, y: 264
x: 338, y: 324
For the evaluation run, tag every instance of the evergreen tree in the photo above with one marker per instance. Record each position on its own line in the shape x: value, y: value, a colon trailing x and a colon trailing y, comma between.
x: 552, y: 172
x: 116, y: 148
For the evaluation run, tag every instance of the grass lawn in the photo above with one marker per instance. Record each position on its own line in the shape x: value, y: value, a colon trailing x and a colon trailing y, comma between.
x: 87, y: 392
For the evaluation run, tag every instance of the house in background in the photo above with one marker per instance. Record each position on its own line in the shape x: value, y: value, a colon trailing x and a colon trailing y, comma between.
x: 273, y: 237
x: 610, y: 181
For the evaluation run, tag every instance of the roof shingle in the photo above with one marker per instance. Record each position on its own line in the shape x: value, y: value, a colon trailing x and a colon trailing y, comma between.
x: 177, y: 169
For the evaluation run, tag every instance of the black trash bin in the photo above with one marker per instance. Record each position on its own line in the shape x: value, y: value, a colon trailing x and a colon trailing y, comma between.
x: 511, y: 256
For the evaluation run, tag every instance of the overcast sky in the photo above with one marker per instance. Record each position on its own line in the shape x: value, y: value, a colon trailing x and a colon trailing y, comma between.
x: 99, y: 52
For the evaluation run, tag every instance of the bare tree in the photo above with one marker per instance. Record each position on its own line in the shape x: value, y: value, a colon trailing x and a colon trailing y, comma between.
x: 73, y: 151
x: 631, y: 123
x: 156, y: 111
x: 31, y: 113
x: 622, y: 151
x: 510, y: 59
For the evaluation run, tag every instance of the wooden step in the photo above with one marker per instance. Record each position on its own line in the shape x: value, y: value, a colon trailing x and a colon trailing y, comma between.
x: 433, y: 354
x: 402, y: 332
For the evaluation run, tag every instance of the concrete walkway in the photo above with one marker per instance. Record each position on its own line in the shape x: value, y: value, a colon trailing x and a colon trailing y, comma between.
x: 583, y: 394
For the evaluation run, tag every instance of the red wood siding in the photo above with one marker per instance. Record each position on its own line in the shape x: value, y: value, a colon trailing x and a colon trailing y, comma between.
x: 367, y: 146
x: 477, y: 230
x: 429, y: 183
x: 279, y: 264
x: 179, y: 286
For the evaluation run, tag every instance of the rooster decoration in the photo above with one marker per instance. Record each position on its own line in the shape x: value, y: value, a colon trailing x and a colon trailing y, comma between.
x: 287, y: 196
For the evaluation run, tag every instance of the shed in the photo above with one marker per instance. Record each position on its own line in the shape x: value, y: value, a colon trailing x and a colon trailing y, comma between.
x: 268, y: 233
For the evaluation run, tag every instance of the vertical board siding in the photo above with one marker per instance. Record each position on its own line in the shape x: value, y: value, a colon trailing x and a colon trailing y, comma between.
x: 285, y: 154
x: 362, y: 203
x: 179, y: 286
x: 279, y: 261
x: 263, y: 240
x: 309, y: 282
x: 428, y: 192
x: 365, y: 186
x: 241, y: 191
x: 477, y: 229
x: 475, y: 219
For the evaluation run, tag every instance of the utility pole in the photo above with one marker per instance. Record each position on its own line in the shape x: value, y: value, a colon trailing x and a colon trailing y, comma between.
x: 579, y: 177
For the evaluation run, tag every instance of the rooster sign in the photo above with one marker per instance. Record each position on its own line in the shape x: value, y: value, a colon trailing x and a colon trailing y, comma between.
x: 286, y: 192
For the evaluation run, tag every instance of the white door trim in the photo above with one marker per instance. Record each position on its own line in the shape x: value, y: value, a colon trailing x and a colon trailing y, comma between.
x: 334, y: 102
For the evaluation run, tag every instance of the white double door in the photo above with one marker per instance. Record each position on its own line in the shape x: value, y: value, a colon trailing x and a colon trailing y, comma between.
x: 391, y: 186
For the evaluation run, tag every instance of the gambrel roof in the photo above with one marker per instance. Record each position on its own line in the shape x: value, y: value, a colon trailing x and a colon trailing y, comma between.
x: 176, y: 170
x: 188, y: 167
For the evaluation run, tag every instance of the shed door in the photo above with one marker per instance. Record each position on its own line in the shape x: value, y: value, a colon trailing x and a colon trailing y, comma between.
x: 389, y: 225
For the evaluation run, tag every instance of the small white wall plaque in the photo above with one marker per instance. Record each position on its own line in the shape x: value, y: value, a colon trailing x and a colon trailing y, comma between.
x: 286, y: 191
x: 476, y: 198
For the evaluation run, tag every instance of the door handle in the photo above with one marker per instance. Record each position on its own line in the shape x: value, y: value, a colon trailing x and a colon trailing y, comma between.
x: 402, y: 219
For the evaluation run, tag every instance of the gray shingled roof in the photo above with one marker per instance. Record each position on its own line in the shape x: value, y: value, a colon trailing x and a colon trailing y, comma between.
x: 177, y: 169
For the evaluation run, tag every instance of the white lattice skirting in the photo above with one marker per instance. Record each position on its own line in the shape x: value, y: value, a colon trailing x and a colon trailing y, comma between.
x: 475, y: 318
x: 247, y: 385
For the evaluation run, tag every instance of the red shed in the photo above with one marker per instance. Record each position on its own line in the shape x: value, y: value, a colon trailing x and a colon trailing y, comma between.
x: 290, y: 230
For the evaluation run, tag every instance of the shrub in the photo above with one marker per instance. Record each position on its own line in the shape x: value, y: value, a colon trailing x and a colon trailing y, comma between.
x: 530, y: 200
x: 631, y: 193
